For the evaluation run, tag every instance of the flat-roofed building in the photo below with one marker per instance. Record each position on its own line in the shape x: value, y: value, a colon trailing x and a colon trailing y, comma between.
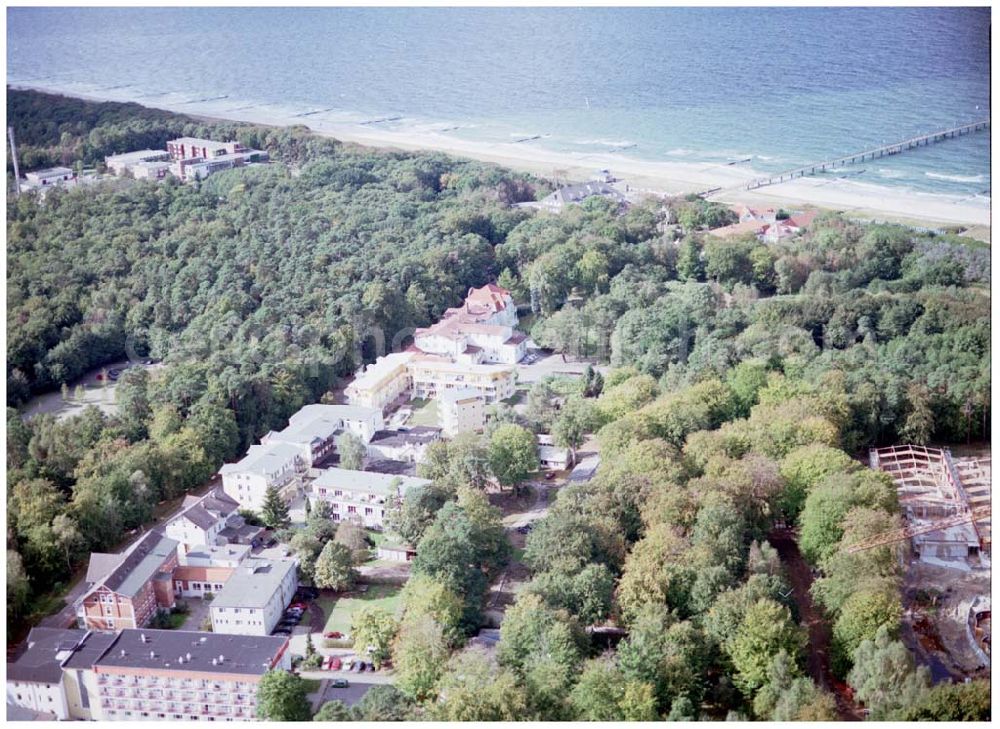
x: 43, y: 180
x: 254, y: 597
x: 433, y: 376
x: 179, y: 675
x: 121, y: 164
x: 273, y: 464
x: 383, y: 383
x: 361, y: 495
x: 195, y: 158
x: 461, y: 410
x: 127, y: 589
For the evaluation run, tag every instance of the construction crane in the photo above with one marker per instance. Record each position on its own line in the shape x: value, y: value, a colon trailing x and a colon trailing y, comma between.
x: 879, y: 540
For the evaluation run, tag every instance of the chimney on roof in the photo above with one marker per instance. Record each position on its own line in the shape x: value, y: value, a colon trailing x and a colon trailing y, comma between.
x: 180, y: 660
x: 142, y: 637
x: 189, y: 656
x: 215, y: 661
x: 221, y: 658
x: 152, y: 654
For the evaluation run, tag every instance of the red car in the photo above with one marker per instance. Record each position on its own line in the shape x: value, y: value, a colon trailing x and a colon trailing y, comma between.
x: 333, y: 634
x: 298, y: 605
x: 334, y: 664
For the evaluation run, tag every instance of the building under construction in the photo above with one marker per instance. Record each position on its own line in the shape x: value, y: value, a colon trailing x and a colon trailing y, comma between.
x: 946, y: 503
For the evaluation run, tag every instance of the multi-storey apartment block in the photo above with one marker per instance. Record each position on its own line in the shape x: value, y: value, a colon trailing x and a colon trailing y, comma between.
x: 361, y: 495
x: 183, y: 676
x: 382, y: 384
x: 127, y: 589
x: 315, y: 428
x: 274, y: 464
x: 434, y: 376
x: 142, y: 675
x: 198, y: 158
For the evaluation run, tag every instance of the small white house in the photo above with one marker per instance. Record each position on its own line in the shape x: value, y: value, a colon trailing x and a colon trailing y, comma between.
x: 553, y: 458
x: 277, y: 464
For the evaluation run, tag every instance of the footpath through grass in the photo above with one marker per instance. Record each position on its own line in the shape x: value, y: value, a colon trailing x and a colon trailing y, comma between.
x: 339, y: 609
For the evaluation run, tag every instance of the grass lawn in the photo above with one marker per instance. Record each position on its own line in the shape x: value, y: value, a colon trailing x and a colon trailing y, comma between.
x: 339, y: 610
x: 425, y: 412
x: 378, y: 538
x: 311, y: 684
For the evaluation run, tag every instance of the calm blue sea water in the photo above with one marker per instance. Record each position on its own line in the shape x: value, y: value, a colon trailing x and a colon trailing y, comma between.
x: 782, y: 86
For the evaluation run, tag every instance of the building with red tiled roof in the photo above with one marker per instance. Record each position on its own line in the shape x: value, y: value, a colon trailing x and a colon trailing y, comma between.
x: 489, y: 304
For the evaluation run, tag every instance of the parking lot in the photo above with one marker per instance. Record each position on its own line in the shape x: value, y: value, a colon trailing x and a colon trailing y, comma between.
x: 538, y: 365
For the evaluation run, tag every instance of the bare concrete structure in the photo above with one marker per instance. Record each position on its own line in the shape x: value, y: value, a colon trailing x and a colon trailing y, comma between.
x: 933, y: 487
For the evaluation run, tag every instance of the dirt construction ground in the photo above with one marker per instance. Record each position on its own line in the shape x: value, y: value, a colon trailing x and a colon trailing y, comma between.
x: 936, y: 604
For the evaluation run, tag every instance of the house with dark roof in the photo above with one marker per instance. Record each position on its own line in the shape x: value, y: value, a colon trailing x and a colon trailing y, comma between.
x: 406, y: 444
x: 576, y: 194
x: 208, y: 521
x: 35, y: 678
x: 127, y: 589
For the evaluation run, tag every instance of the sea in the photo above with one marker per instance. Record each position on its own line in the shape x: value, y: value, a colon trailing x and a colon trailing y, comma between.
x: 768, y: 88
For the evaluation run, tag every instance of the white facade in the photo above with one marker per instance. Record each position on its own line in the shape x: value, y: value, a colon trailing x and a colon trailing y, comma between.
x: 361, y: 495
x: 553, y: 457
x: 49, y: 698
x: 461, y: 411
x: 120, y: 163
x: 382, y: 383
x: 278, y: 464
x: 474, y: 342
x: 255, y: 597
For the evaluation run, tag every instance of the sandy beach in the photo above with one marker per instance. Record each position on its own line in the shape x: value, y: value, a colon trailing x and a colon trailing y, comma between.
x: 848, y: 194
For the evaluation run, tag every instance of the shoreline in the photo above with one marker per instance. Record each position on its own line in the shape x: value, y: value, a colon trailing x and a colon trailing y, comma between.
x: 856, y: 199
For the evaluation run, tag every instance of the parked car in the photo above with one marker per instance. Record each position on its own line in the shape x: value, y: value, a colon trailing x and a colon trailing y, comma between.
x: 282, y: 630
x: 298, y: 606
x: 360, y: 667
x: 333, y: 634
x: 334, y: 664
x: 339, y: 683
x: 550, y: 475
x: 272, y: 542
x: 370, y: 667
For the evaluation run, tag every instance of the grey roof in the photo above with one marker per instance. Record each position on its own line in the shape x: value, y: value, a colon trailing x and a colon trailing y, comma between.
x: 387, y: 465
x: 576, y: 193
x: 241, y: 535
x: 367, y: 481
x: 101, y: 564
x: 263, y: 459
x: 585, y: 469
x: 94, y: 646
x: 134, y: 568
x: 46, y: 648
x: 200, y: 517
x: 166, y: 650
x: 20, y: 713
x: 246, y: 589
x: 418, y: 435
